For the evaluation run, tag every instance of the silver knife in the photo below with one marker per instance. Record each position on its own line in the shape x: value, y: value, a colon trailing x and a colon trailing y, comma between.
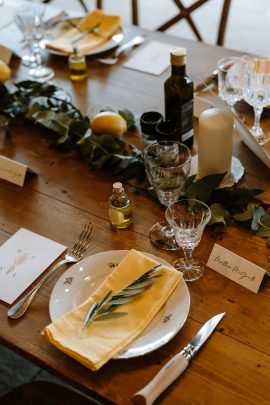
x: 206, y: 82
x: 176, y: 366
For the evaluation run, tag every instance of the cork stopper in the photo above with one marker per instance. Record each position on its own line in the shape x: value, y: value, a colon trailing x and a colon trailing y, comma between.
x: 178, y: 56
x: 117, y: 187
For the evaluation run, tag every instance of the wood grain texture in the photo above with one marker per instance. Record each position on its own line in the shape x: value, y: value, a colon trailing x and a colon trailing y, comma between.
x: 234, y: 365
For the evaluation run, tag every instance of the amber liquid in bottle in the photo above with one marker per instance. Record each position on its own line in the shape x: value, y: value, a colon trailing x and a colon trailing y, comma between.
x: 120, y: 209
x: 77, y: 66
x: 178, y: 95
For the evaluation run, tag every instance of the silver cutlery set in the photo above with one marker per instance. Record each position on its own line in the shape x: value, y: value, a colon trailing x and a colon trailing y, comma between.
x: 74, y: 255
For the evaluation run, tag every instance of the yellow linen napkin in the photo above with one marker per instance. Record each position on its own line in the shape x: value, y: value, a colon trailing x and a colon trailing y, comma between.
x: 104, y: 27
x: 101, y: 340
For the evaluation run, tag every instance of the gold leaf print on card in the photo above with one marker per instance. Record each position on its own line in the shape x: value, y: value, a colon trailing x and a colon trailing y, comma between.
x: 20, y: 259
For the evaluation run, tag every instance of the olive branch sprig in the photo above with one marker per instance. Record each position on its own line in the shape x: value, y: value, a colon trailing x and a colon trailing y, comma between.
x: 105, y: 307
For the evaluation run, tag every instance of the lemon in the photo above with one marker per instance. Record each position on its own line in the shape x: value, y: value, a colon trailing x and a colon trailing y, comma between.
x: 108, y: 122
x: 4, y: 72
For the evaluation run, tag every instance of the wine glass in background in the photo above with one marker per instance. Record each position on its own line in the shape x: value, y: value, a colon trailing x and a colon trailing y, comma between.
x: 29, y: 19
x: 257, y: 93
x: 188, y: 218
x: 231, y: 77
x: 167, y: 166
x: 24, y: 18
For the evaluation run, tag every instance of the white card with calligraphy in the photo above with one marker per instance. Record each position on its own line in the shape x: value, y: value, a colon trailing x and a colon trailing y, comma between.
x: 13, y: 171
x: 24, y: 257
x: 236, y: 268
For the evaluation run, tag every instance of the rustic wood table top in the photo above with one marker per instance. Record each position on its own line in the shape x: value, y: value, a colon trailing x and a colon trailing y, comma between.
x: 233, y: 367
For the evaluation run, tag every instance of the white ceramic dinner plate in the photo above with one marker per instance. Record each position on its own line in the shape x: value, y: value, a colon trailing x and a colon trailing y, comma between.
x: 63, y: 25
x: 83, y: 278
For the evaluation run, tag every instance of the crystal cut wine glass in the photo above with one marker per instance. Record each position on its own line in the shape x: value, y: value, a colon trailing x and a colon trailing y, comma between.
x: 188, y: 218
x: 231, y: 77
x: 167, y: 165
x: 257, y: 93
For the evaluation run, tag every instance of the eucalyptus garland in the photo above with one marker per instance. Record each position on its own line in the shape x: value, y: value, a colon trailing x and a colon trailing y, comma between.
x: 49, y: 106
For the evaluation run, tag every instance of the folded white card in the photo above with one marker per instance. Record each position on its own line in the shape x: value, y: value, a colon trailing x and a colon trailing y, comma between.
x: 24, y: 257
x: 153, y: 58
x: 13, y: 171
x: 236, y: 268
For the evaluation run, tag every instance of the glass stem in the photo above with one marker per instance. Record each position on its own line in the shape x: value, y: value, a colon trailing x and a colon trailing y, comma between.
x: 257, y: 112
x: 188, y: 257
x: 37, y: 55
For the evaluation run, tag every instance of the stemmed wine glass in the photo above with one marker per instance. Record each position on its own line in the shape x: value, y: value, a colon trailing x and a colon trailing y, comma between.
x: 29, y: 19
x: 188, y: 218
x: 231, y: 76
x: 257, y: 93
x: 167, y: 166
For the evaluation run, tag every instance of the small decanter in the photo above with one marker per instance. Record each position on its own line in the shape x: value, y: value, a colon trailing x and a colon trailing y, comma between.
x: 77, y: 65
x: 120, y: 209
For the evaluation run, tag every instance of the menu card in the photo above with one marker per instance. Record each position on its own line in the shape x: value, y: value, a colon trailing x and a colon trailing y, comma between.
x: 153, y: 58
x: 24, y: 257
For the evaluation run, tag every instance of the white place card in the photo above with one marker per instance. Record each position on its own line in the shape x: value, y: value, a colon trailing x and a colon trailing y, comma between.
x: 13, y: 171
x: 153, y: 58
x: 24, y: 257
x: 5, y: 54
x: 236, y: 268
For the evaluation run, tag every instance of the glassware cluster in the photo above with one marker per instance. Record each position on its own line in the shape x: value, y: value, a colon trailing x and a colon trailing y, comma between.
x: 240, y: 78
x: 167, y: 165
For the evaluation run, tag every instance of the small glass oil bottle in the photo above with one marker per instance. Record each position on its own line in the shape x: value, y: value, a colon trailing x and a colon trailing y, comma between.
x: 77, y: 65
x: 120, y: 210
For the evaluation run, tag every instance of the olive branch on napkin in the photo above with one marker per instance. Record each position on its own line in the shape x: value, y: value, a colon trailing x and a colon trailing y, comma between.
x: 105, y: 307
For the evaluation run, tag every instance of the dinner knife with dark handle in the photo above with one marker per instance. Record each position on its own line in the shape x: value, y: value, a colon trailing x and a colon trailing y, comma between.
x: 175, y: 367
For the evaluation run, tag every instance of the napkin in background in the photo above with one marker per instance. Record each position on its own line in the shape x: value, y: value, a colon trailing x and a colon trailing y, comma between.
x: 101, y: 340
x: 153, y: 58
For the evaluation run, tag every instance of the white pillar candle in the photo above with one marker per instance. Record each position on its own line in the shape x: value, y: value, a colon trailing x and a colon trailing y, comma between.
x: 215, y: 140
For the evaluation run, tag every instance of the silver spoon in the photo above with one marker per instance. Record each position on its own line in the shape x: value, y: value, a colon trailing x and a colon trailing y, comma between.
x: 114, y: 58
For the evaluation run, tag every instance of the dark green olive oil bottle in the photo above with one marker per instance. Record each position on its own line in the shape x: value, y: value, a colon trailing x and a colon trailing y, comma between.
x: 178, y: 95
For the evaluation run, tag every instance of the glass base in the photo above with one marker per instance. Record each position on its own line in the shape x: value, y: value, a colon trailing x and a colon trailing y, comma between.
x: 191, y: 273
x: 29, y: 61
x: 41, y: 74
x: 259, y: 135
x: 162, y: 237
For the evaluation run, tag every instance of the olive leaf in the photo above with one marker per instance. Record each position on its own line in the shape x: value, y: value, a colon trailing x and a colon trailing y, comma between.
x: 108, y: 304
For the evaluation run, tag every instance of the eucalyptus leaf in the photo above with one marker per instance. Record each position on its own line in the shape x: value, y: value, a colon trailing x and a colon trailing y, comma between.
x: 219, y: 214
x: 258, y: 214
x: 203, y: 188
x: 245, y: 215
x: 128, y: 116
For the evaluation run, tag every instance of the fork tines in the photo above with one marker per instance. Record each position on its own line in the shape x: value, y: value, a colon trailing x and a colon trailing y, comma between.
x: 83, y: 241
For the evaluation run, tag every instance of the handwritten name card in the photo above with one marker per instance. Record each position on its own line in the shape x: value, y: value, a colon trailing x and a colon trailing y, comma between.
x: 12, y: 171
x: 236, y: 268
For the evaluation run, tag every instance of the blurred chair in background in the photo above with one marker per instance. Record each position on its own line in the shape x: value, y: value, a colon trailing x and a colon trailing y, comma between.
x: 134, y: 3
x: 185, y: 13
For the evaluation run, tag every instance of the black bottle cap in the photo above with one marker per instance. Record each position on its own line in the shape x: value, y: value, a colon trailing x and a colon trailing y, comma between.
x: 148, y: 122
x: 166, y: 131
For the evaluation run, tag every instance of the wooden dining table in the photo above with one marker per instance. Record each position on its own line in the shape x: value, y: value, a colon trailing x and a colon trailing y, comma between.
x: 233, y: 367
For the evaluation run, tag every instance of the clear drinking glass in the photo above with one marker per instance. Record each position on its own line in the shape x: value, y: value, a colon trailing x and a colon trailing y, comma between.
x: 25, y: 20
x: 231, y: 76
x: 167, y: 166
x: 29, y: 19
x: 257, y: 93
x: 188, y: 218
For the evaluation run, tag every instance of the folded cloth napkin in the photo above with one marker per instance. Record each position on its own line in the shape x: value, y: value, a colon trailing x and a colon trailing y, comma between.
x: 91, y: 32
x: 101, y: 340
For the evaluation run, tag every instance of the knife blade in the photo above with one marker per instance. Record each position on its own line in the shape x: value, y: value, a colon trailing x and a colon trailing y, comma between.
x: 177, y: 365
x: 206, y: 82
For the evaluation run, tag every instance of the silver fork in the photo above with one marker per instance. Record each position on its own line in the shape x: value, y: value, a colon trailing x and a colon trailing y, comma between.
x: 114, y: 59
x: 74, y: 255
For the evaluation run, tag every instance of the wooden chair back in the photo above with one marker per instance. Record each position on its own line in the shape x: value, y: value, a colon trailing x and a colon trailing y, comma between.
x: 185, y: 13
